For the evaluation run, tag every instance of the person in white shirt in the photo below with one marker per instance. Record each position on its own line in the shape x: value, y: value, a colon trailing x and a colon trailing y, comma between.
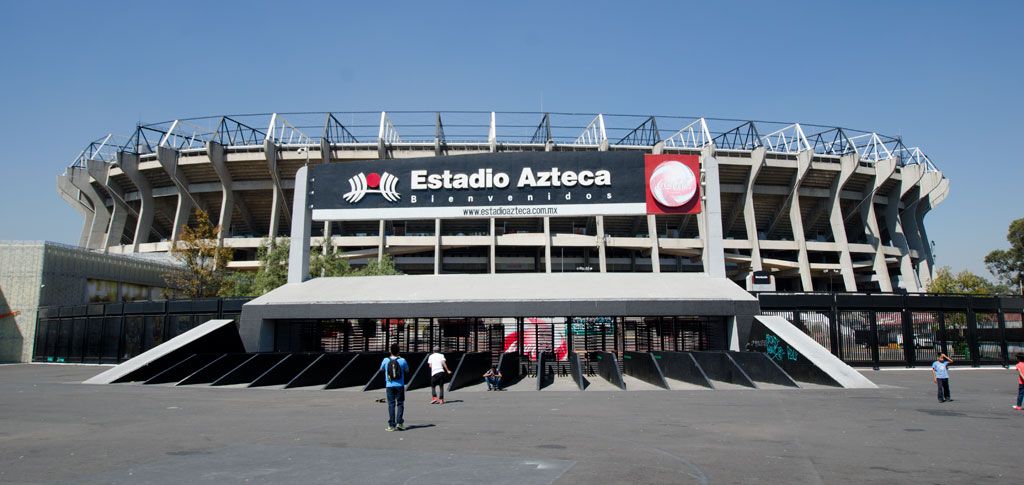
x: 438, y: 368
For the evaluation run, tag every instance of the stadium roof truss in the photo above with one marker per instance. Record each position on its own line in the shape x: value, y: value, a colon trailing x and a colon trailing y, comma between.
x: 382, y: 129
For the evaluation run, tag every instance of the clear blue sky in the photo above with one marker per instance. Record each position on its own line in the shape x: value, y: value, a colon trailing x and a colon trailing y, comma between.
x: 945, y: 75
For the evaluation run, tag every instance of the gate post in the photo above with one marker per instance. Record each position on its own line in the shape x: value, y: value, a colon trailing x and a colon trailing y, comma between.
x: 873, y: 341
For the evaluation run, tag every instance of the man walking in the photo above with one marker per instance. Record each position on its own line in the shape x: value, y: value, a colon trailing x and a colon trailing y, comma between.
x: 395, y: 368
x: 1020, y: 381
x: 438, y: 368
x: 940, y: 371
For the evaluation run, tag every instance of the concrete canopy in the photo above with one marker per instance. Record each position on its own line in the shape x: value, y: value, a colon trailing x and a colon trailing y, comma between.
x: 502, y: 295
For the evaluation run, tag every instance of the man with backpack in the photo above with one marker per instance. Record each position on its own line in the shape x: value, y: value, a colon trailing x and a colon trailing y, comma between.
x: 395, y: 368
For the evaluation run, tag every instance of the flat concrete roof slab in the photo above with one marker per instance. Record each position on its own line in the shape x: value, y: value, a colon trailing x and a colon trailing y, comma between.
x: 507, y: 295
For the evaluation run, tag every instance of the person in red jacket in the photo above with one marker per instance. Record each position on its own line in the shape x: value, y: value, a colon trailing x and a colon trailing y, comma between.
x: 1020, y: 381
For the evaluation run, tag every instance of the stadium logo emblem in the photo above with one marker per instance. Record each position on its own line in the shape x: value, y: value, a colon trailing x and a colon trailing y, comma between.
x: 384, y: 184
x: 673, y: 184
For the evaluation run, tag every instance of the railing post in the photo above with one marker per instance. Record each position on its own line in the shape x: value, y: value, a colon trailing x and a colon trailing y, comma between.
x: 972, y: 334
x: 909, y: 345
x: 873, y: 341
x: 1003, y: 344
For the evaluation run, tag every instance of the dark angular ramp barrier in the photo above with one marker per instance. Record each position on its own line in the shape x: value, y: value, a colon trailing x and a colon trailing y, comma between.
x: 216, y: 369
x: 321, y: 371
x: 545, y: 372
x: 377, y: 381
x: 801, y: 357
x: 760, y: 368
x: 643, y: 366
x: 576, y: 371
x: 214, y: 336
x: 183, y: 369
x: 250, y: 370
x: 357, y: 371
x: 511, y: 371
x: 608, y: 368
x: 719, y: 366
x: 682, y: 366
x: 421, y: 375
x: 470, y: 370
x: 285, y: 370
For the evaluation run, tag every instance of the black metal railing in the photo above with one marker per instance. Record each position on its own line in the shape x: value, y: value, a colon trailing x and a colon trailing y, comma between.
x: 108, y: 333
x: 906, y: 329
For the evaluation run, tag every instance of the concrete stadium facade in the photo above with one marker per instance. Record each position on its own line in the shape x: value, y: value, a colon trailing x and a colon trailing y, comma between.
x: 818, y: 207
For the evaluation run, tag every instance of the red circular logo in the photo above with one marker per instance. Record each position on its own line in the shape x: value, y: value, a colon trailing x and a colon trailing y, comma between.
x: 373, y: 180
x: 673, y: 184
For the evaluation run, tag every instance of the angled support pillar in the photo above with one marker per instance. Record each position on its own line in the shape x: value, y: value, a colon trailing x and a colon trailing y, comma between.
x: 602, y: 246
x: 883, y: 171
x: 302, y: 228
x: 279, y: 208
x: 749, y: 217
x: 910, y: 177
x: 168, y: 159
x: 215, y: 151
x: 129, y: 163
x: 100, y: 171
x: 326, y: 155
x: 381, y: 240
x: 848, y: 165
x: 914, y: 214
x: 71, y: 195
x: 492, y: 135
x: 714, y: 251
x: 97, y: 232
x: 803, y: 165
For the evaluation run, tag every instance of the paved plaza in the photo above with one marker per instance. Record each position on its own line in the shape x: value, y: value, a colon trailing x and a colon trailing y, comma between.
x: 54, y: 429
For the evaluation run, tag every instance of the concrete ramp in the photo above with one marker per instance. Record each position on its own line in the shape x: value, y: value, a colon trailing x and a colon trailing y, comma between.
x: 804, y: 359
x: 214, y: 336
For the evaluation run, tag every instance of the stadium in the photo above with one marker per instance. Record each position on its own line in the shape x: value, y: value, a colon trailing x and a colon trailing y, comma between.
x: 806, y: 207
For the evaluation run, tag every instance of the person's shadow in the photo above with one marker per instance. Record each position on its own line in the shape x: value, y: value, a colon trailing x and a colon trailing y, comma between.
x: 418, y: 426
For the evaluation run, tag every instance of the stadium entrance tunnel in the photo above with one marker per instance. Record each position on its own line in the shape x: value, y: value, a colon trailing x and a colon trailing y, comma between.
x: 569, y: 332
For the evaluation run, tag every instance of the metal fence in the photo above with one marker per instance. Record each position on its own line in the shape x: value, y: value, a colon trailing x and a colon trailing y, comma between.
x: 861, y: 329
x: 906, y: 330
x: 110, y: 333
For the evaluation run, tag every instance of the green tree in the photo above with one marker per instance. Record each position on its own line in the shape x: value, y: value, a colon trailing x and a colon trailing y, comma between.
x: 964, y: 282
x: 1007, y: 265
x: 203, y: 259
x: 325, y: 260
x: 384, y: 267
x: 273, y: 270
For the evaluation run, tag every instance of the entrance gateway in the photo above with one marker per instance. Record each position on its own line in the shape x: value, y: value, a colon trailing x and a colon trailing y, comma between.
x: 656, y: 327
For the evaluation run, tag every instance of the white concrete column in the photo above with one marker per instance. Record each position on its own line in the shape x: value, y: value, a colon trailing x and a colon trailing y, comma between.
x: 895, y: 227
x: 494, y: 248
x: 437, y: 246
x: 803, y: 165
x: 883, y: 171
x: 327, y: 237
x: 711, y: 234
x: 652, y: 232
x: 70, y: 194
x: 279, y: 208
x: 547, y: 244
x: 848, y: 165
x: 601, y: 246
x: 215, y: 152
x: 380, y: 241
x: 79, y: 177
x: 749, y: 216
x: 129, y: 163
x: 302, y: 227
x: 274, y: 211
x: 930, y: 181
x: 100, y: 172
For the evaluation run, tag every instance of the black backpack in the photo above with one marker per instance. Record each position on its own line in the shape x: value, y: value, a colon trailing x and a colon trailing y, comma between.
x: 394, y: 370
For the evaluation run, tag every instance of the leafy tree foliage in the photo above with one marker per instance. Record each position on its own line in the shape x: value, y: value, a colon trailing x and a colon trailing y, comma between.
x: 964, y: 282
x: 203, y: 259
x: 1007, y: 265
x: 324, y: 260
